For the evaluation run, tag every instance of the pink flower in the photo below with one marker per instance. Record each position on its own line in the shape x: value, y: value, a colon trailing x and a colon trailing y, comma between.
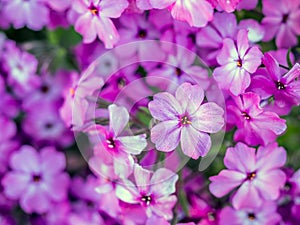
x: 153, y: 191
x: 184, y: 118
x: 264, y: 215
x: 283, y: 87
x: 95, y: 19
x: 21, y: 68
x: 237, y: 62
x: 255, y: 173
x: 282, y: 22
x: 255, y: 126
x: 33, y: 13
x: 196, y: 12
x: 112, y: 143
x: 34, y: 181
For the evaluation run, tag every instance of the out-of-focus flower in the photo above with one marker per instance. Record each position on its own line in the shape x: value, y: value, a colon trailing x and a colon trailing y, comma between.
x: 282, y: 22
x: 255, y: 126
x: 196, y: 12
x: 283, y: 88
x: 95, y: 19
x: 210, y: 38
x: 153, y: 191
x: 184, y: 118
x: 264, y: 215
x: 179, y: 68
x: 21, y: 68
x: 31, y: 13
x: 34, y: 181
x: 237, y: 62
x: 257, y: 174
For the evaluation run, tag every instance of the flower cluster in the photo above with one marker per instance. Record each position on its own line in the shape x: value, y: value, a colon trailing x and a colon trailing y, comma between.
x: 111, y: 110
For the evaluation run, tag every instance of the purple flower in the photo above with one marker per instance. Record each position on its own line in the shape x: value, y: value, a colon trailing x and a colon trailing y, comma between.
x: 32, y: 13
x: 237, y: 62
x: 271, y: 82
x: 95, y: 19
x: 196, y: 12
x: 264, y: 215
x: 153, y: 191
x: 21, y: 68
x: 37, y: 179
x: 210, y: 38
x: 255, y: 126
x: 184, y: 118
x: 256, y: 174
x: 281, y: 21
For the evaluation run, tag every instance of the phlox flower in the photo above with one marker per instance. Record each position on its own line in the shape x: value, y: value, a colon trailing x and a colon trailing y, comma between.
x: 257, y: 175
x: 34, y: 181
x: 112, y: 143
x: 266, y: 214
x: 283, y: 87
x: 238, y: 60
x: 21, y: 68
x: 31, y: 13
x: 184, y: 118
x: 282, y: 22
x: 153, y: 191
x: 95, y: 19
x: 254, y: 125
x: 196, y: 12
x: 210, y: 38
x: 227, y: 5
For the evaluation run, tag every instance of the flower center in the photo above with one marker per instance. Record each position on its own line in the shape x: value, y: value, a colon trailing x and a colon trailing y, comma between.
x: 246, y: 116
x: 280, y: 86
x: 251, y: 176
x: 142, y: 33
x: 110, y: 143
x: 121, y: 82
x: 178, y: 71
x: 44, y: 88
x: 94, y: 10
x: 211, y: 216
x: 146, y: 199
x: 36, y: 178
x: 185, y: 120
x: 285, y: 18
x: 49, y: 125
x: 239, y: 63
x: 251, y: 216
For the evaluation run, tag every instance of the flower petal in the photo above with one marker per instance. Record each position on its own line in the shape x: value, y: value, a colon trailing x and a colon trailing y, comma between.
x: 166, y: 135
x: 118, y: 118
x: 164, y: 107
x: 163, y: 182
x: 225, y: 182
x: 209, y: 118
x: 194, y: 143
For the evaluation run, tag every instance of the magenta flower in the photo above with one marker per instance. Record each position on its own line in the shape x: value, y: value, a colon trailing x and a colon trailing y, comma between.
x: 196, y: 12
x: 282, y: 22
x: 34, y: 180
x: 255, y: 126
x: 237, y: 62
x: 153, y: 191
x: 95, y: 19
x: 116, y: 146
x: 271, y: 82
x: 256, y: 174
x: 184, y: 118
x: 264, y: 215
x: 31, y: 13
